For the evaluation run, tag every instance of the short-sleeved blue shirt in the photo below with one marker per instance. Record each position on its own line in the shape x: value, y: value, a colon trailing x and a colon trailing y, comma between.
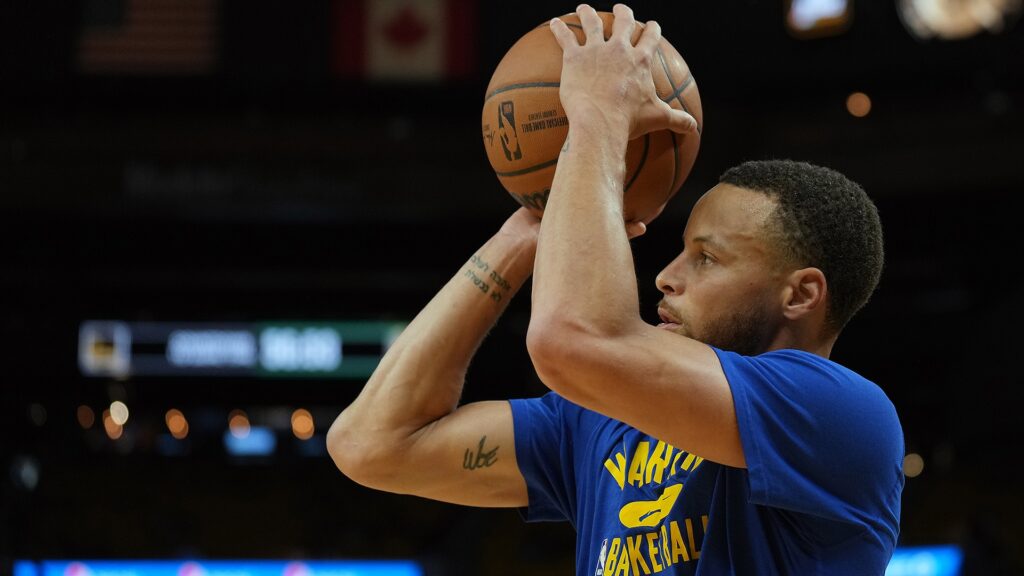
x: 820, y: 494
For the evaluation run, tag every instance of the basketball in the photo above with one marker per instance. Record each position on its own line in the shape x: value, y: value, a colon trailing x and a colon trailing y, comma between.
x: 524, y: 125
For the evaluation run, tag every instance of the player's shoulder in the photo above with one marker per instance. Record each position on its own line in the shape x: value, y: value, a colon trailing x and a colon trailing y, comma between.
x: 792, y: 363
x: 801, y: 382
x: 806, y: 370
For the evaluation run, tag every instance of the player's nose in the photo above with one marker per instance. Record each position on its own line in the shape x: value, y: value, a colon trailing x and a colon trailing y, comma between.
x: 670, y: 279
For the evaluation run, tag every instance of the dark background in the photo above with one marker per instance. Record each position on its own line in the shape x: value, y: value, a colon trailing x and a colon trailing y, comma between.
x: 271, y: 187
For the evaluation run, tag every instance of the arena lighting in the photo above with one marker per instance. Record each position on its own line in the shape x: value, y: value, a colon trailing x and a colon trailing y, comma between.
x: 956, y: 19
x: 113, y: 429
x: 818, y: 18
x: 86, y: 417
x: 25, y: 473
x: 238, y: 424
x: 217, y: 568
x: 302, y: 424
x: 177, y: 424
x: 119, y: 412
x: 906, y: 561
x: 858, y: 104
x: 913, y: 465
x: 258, y: 441
x: 925, y: 561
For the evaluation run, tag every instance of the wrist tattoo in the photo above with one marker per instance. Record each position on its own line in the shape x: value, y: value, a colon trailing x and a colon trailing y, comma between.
x: 489, y: 281
x: 482, y: 458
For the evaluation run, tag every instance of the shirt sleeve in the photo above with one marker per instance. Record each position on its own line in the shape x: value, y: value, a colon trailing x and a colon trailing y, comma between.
x: 817, y: 438
x: 544, y: 452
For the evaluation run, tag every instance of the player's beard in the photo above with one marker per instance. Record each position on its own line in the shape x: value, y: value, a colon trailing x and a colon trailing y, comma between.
x: 746, y: 330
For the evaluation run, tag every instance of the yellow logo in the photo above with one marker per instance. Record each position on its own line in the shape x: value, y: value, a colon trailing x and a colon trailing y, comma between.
x: 650, y: 513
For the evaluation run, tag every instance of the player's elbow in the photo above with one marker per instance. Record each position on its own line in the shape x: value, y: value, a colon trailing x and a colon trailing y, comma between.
x: 344, y: 447
x: 555, y: 350
x: 355, y: 453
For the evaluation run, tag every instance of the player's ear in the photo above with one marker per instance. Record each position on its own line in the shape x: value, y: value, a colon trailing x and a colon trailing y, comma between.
x: 804, y: 293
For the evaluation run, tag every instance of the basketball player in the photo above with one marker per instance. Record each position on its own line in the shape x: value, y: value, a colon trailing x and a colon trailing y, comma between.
x: 723, y: 440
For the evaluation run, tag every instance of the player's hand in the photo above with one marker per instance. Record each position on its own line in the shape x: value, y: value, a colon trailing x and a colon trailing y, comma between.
x: 608, y: 82
x: 523, y: 225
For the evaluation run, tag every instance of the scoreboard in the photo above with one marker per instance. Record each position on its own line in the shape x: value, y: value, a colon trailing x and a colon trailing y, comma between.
x: 114, y: 348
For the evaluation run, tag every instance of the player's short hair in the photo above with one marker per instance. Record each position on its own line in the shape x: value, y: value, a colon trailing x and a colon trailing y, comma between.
x: 821, y: 219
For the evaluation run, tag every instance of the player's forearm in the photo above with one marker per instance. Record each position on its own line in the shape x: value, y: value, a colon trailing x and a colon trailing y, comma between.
x: 420, y: 378
x: 584, y: 275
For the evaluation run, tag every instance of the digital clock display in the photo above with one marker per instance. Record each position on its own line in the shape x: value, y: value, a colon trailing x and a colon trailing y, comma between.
x: 268, y: 349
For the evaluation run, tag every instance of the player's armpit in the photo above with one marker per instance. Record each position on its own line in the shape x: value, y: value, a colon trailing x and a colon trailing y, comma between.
x: 467, y: 457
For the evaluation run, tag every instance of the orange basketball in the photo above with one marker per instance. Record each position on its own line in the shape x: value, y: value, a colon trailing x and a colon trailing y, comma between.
x: 524, y: 125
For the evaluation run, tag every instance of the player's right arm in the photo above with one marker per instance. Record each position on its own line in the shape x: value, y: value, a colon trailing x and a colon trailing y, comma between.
x: 405, y: 432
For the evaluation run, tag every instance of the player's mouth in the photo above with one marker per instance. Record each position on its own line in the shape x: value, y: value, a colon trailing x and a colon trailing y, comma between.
x: 668, y: 321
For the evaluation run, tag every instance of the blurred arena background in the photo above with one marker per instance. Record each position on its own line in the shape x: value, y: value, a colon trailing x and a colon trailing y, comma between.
x: 216, y: 213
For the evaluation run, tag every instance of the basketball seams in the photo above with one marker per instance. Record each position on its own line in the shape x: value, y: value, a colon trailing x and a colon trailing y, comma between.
x: 679, y: 91
x: 528, y: 169
x: 640, y: 166
x: 521, y: 86
x: 677, y: 95
x: 675, y: 166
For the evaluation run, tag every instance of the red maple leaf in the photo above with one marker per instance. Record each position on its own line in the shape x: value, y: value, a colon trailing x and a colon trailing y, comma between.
x: 406, y: 29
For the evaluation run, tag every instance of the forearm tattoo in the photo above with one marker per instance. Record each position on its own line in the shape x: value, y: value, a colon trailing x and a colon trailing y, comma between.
x: 488, y: 281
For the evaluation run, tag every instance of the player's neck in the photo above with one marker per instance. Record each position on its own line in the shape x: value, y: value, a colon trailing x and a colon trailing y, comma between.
x: 797, y: 337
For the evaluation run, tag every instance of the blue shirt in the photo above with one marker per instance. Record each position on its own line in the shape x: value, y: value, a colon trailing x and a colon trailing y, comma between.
x: 820, y: 494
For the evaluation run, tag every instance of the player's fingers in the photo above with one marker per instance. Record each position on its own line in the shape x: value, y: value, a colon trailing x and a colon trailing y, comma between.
x: 650, y: 38
x: 565, y: 38
x: 592, y: 24
x: 661, y: 116
x: 680, y: 122
x: 622, y: 26
x: 635, y: 228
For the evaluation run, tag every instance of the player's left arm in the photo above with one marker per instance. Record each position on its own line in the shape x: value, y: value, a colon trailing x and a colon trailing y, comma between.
x: 586, y: 338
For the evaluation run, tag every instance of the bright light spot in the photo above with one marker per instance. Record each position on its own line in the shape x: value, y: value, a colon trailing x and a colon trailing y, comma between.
x: 113, y: 429
x: 957, y: 20
x: 119, y: 412
x: 297, y: 569
x: 37, y: 414
x: 259, y: 441
x: 191, y: 569
x: 858, y: 104
x: 86, y: 417
x: 913, y: 465
x: 238, y: 423
x: 942, y: 560
x: 302, y: 424
x: 176, y: 423
x: 805, y: 14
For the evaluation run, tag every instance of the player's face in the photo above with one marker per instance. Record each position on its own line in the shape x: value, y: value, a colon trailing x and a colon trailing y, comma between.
x: 725, y: 288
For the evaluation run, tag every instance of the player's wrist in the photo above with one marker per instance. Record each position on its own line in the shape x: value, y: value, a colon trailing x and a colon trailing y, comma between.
x: 518, y: 249
x: 597, y: 122
x: 512, y: 249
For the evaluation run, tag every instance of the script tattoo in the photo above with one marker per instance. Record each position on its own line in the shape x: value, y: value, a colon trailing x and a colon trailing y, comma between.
x: 481, y: 459
x: 479, y: 271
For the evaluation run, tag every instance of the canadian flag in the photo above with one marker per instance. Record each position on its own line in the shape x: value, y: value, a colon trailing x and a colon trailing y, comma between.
x: 404, y: 40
